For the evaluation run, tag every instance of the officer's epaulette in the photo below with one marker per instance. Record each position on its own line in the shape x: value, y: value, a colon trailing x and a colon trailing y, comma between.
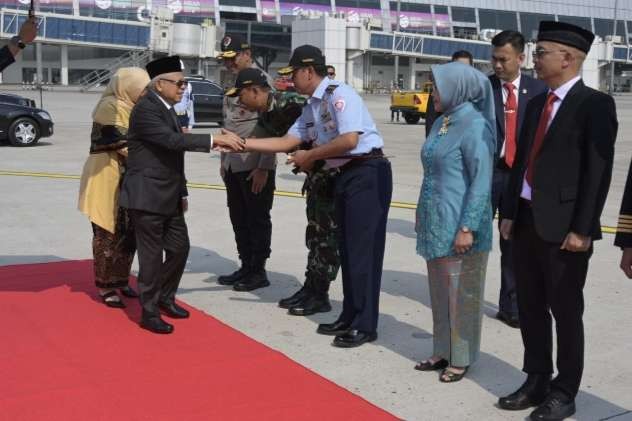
x: 330, y: 89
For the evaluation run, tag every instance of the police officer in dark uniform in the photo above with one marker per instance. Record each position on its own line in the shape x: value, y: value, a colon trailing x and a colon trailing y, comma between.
x: 278, y: 110
x: 624, y: 228
x: 249, y: 180
x: 342, y: 132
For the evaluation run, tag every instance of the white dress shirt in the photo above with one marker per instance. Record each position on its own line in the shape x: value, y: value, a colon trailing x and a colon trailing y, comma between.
x: 560, y: 93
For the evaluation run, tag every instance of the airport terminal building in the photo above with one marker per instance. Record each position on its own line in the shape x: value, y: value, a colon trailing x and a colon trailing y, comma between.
x: 81, y: 41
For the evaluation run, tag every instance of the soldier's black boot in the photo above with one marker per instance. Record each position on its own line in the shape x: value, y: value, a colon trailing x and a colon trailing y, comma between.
x: 236, y: 276
x: 314, y: 303
x: 256, y: 278
x: 295, y: 298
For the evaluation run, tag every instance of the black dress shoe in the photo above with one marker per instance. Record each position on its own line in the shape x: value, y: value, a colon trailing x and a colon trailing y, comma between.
x: 532, y: 393
x: 311, y: 305
x: 254, y: 280
x: 354, y: 338
x: 334, y: 329
x: 236, y: 276
x: 295, y: 298
x: 173, y: 310
x: 156, y: 325
x: 508, y: 319
x: 129, y: 292
x: 556, y: 407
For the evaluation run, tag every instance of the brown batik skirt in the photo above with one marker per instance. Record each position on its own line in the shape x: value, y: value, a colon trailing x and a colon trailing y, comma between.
x: 113, y: 253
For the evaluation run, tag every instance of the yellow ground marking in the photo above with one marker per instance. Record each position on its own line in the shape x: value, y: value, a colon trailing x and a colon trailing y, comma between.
x: 397, y: 205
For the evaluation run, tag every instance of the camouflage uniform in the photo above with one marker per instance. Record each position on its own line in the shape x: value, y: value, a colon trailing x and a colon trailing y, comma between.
x: 323, y: 260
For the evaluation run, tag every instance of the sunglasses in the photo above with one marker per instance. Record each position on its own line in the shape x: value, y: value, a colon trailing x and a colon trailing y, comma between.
x: 331, y: 73
x: 178, y: 83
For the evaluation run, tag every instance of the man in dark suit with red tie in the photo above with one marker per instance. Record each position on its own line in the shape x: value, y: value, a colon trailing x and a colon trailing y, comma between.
x: 512, y: 91
x: 155, y: 192
x: 557, y: 189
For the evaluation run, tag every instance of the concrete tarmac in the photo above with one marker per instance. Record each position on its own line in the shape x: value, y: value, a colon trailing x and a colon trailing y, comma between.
x: 41, y: 223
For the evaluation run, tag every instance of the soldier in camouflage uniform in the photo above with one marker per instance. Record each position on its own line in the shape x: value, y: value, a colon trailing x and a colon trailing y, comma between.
x: 277, y: 112
x: 323, y: 260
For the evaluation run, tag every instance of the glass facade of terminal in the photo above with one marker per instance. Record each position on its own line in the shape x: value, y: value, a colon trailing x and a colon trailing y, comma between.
x: 260, y: 18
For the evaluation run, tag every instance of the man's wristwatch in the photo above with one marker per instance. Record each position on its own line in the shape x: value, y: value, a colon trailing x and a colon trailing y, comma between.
x: 18, y: 42
x: 465, y: 230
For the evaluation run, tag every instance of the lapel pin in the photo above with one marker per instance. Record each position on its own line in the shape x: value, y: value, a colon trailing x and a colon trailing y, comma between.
x: 524, y: 91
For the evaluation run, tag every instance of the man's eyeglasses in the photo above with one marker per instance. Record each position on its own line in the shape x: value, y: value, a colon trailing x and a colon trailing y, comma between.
x: 178, y: 83
x: 541, y: 52
x: 331, y: 73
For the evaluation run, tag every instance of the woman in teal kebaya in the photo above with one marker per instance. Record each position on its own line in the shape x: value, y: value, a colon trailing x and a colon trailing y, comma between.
x: 454, y: 214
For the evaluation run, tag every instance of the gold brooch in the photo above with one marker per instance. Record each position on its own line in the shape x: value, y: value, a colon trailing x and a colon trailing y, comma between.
x: 444, y: 127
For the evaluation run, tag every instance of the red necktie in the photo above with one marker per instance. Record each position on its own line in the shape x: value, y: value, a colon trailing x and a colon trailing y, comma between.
x: 539, y: 134
x: 511, y: 116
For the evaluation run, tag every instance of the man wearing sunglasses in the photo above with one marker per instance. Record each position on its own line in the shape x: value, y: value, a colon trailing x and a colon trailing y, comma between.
x: 154, y: 190
x: 331, y: 72
x: 249, y: 180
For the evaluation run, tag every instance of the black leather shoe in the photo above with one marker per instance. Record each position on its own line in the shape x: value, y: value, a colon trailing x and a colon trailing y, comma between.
x: 173, y: 310
x: 532, y: 393
x: 354, y: 338
x: 508, y: 319
x: 556, y: 407
x: 311, y: 305
x: 295, y: 298
x: 254, y: 280
x: 236, y: 276
x: 156, y: 325
x: 334, y: 329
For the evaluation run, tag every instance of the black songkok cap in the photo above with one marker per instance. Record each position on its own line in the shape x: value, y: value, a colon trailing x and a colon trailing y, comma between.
x: 248, y: 77
x: 567, y: 34
x: 164, y: 65
x: 303, y: 56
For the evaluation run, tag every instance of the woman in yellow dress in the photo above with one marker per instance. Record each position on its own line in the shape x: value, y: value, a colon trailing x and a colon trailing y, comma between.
x: 113, y: 244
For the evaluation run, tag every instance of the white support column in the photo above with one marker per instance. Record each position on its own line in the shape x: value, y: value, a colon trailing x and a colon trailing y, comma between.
x: 38, y: 62
x: 412, y: 73
x: 63, y: 70
x: 75, y: 7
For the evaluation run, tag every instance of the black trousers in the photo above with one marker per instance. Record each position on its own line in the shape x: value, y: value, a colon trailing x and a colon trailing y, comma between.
x: 362, y: 200
x: 158, y: 278
x: 250, y: 215
x: 507, y: 300
x: 550, y: 280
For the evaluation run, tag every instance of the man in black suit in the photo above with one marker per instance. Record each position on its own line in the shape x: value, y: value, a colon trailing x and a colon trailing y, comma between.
x: 557, y: 190
x: 154, y: 190
x: 512, y: 91
x: 28, y: 32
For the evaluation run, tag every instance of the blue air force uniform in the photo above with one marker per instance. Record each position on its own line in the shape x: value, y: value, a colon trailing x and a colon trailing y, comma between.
x: 363, y: 191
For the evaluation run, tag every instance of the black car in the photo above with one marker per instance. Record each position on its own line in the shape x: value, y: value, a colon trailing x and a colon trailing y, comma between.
x: 21, y: 122
x: 208, y: 98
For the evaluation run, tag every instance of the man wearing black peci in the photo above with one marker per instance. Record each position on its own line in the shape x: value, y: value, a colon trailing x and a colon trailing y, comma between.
x: 557, y: 190
x: 154, y: 190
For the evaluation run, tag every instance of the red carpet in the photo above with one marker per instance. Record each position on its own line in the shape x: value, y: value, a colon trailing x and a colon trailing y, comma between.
x: 64, y: 356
